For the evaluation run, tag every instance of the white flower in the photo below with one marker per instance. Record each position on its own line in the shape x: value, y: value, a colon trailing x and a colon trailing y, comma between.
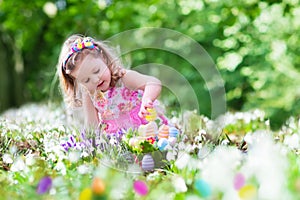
x: 267, y: 163
x: 60, y: 166
x: 84, y: 154
x: 13, y: 149
x: 51, y: 157
x: 170, y: 155
x: 248, y: 138
x: 52, y: 191
x: 179, y: 184
x: 153, y: 176
x: 203, y: 152
x: 181, y: 146
x: 74, y: 156
x: 182, y: 161
x: 217, y: 168
x: 58, y: 182
x: 292, y: 141
x: 29, y: 160
x: 18, y: 165
x: 7, y: 158
x: 83, y: 169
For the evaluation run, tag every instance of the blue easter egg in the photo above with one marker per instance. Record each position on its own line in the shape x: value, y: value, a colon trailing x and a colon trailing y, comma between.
x: 202, y: 187
x: 173, y: 132
x: 162, y: 143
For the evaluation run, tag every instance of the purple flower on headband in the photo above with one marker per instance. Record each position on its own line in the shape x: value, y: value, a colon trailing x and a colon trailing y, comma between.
x: 44, y: 185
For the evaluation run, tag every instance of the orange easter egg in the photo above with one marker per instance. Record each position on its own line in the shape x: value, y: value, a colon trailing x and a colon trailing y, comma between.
x: 98, y: 186
x: 163, y: 131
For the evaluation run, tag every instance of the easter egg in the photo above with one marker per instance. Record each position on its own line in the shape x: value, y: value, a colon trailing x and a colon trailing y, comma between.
x: 247, y: 192
x: 140, y: 187
x: 85, y: 194
x: 239, y: 181
x: 98, y: 186
x: 150, y: 129
x: 202, y: 187
x: 147, y: 163
x: 151, y: 116
x: 44, y: 185
x: 142, y: 130
x: 173, y: 132
x: 163, y: 131
x: 162, y: 143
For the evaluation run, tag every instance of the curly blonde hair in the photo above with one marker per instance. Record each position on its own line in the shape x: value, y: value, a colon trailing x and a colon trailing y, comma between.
x: 67, y: 63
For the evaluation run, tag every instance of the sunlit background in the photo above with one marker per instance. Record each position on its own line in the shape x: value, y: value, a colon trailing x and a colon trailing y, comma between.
x: 254, y: 44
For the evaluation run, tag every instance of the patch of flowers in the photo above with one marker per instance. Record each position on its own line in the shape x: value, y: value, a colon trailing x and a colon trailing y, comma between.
x: 236, y: 156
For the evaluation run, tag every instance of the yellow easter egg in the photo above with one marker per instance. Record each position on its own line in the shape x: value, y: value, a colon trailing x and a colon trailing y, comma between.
x: 152, y: 115
x: 98, y: 186
x: 247, y: 192
x: 86, y: 194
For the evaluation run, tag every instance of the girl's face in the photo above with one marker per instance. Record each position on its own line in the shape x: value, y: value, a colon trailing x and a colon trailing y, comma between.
x: 93, y: 74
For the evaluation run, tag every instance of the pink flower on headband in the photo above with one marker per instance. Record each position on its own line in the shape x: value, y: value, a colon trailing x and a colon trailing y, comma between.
x: 77, y: 46
x: 80, y: 44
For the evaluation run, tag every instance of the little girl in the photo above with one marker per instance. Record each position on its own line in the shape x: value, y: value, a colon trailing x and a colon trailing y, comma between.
x: 109, y: 94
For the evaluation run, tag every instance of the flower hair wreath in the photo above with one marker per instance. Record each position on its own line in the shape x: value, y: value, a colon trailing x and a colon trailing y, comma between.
x: 78, y: 46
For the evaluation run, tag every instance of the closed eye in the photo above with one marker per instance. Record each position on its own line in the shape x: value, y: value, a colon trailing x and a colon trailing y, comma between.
x: 87, y: 80
x: 96, y: 72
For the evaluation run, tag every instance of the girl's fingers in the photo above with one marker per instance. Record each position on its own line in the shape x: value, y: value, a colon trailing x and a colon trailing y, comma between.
x: 148, y: 104
x: 143, y: 112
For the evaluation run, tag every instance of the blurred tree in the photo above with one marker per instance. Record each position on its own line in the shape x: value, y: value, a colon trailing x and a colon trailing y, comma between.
x: 6, y: 74
x: 253, y: 43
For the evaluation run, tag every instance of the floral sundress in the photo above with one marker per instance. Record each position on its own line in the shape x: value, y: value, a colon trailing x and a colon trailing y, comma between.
x: 118, y: 108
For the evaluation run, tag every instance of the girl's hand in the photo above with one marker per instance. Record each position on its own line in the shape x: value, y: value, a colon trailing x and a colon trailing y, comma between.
x: 145, y: 105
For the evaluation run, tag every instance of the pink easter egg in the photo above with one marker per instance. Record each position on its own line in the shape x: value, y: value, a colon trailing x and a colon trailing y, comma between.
x: 239, y: 181
x: 140, y: 187
x: 151, y: 129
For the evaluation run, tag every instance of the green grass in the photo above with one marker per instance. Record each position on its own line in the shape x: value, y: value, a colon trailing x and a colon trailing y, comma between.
x: 203, y: 164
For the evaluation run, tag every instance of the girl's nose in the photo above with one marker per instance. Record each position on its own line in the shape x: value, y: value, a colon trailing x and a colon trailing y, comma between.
x: 96, y: 79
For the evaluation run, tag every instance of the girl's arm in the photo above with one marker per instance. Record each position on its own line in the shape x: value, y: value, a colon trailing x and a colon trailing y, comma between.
x: 89, y: 112
x: 149, y: 84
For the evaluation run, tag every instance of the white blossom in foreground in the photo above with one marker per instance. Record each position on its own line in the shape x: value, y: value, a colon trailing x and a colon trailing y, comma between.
x: 179, y: 184
x: 218, y: 168
x: 266, y: 162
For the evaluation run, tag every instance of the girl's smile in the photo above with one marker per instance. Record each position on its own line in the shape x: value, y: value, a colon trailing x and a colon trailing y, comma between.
x: 100, y: 84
